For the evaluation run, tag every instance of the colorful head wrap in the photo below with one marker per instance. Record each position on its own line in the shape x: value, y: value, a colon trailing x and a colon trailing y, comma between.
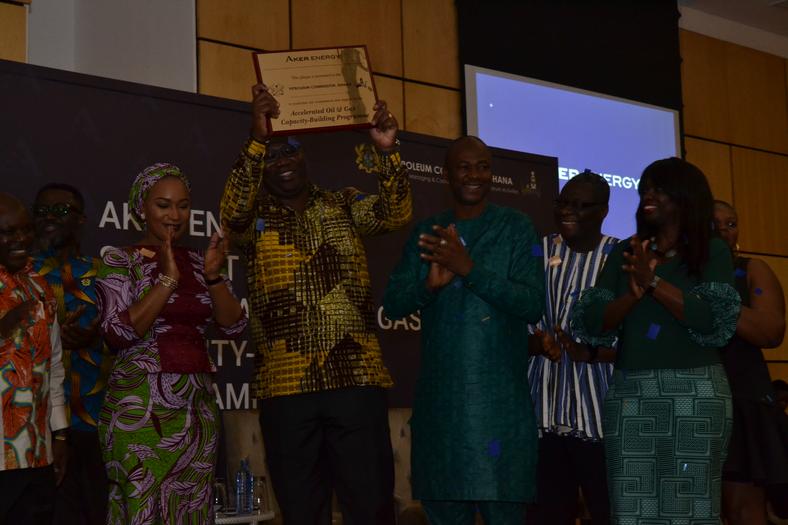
x: 145, y: 181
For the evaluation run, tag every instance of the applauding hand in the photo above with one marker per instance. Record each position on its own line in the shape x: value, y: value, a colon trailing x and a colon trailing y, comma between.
x: 575, y: 350
x: 447, y: 250
x: 167, y: 263
x: 550, y: 348
x: 216, y: 255
x: 640, y: 266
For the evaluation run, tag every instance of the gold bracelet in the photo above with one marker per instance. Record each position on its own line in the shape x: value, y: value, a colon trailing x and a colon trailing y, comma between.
x: 60, y: 436
x: 168, y: 281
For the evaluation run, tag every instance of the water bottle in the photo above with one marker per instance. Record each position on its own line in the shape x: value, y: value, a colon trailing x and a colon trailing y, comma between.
x: 240, y: 488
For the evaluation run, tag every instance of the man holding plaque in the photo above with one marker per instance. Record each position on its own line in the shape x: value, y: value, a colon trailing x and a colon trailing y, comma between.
x: 471, y: 273
x: 319, y: 371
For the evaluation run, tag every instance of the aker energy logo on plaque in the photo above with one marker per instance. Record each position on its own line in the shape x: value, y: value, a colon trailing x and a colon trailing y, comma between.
x: 319, y: 89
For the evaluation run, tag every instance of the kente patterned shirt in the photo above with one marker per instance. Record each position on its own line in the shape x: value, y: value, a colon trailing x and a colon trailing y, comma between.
x: 175, y: 341
x: 73, y: 283
x: 31, y: 373
x: 568, y: 395
x: 312, y: 314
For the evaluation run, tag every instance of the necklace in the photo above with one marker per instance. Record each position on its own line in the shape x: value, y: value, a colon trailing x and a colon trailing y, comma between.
x: 665, y: 255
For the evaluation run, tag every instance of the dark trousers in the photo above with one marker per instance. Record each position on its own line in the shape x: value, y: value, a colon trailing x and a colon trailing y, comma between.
x: 566, y: 463
x: 82, y: 497
x: 464, y: 512
x: 26, y: 496
x: 334, y: 439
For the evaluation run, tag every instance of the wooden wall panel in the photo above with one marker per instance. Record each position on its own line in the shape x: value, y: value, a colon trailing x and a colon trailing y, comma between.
x: 433, y: 111
x: 13, y: 32
x: 390, y: 90
x: 225, y: 71
x: 704, y: 86
x: 757, y: 99
x: 760, y: 184
x: 778, y: 371
x: 261, y: 24
x: 733, y: 93
x: 430, y: 42
x: 378, y: 24
x: 714, y: 160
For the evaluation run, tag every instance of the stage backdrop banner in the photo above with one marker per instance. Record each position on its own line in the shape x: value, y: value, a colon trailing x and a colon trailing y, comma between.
x: 97, y: 134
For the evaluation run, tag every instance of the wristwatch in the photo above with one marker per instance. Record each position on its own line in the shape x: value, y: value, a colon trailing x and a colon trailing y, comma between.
x: 653, y: 284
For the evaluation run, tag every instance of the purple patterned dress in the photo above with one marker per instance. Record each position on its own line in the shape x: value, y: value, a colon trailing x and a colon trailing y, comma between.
x: 158, y: 425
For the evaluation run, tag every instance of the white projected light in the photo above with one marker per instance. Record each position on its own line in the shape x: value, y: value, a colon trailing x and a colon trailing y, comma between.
x: 611, y: 136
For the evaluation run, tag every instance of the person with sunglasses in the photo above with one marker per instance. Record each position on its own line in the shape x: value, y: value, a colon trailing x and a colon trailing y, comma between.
x: 58, y: 218
x: 320, y: 373
x: 569, y: 379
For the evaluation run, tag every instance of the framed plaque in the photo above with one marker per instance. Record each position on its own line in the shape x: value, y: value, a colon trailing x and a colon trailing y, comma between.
x: 319, y: 89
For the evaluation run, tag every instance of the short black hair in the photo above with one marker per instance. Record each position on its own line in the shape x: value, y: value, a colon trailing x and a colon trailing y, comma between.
x: 65, y: 187
x: 459, y: 141
x: 599, y: 185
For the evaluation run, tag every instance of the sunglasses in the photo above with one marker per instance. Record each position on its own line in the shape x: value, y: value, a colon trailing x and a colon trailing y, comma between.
x: 575, y: 205
x: 288, y: 151
x: 60, y: 209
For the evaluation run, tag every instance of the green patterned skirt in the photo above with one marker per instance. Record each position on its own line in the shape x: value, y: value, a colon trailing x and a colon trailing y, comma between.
x: 666, y: 438
x: 158, y: 435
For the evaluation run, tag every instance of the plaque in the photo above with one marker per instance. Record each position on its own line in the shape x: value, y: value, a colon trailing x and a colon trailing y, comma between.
x: 319, y: 89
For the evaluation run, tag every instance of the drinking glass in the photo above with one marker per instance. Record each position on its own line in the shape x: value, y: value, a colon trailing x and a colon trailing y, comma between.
x: 219, y: 496
x: 260, y: 495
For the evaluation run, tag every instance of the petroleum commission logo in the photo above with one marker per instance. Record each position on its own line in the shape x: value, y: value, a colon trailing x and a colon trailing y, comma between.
x: 367, y: 159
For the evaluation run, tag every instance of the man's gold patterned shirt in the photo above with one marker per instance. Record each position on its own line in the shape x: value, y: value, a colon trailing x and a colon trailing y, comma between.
x: 312, y: 314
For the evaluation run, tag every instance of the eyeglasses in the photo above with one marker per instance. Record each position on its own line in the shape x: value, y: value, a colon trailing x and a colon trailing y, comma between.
x: 575, y: 205
x: 288, y: 151
x: 60, y: 209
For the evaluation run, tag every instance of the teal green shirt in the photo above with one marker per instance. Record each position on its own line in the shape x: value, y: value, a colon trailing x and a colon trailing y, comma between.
x: 473, y: 429
x: 650, y: 336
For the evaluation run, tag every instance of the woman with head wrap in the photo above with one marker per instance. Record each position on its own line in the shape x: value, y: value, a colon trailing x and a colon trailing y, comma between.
x: 158, y: 424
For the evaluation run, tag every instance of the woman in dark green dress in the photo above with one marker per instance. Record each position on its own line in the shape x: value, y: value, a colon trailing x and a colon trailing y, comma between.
x: 668, y: 294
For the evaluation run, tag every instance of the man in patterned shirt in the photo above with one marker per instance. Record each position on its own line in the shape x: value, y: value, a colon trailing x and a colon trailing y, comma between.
x: 569, y: 379
x: 58, y: 216
x: 33, y: 420
x: 320, y: 372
